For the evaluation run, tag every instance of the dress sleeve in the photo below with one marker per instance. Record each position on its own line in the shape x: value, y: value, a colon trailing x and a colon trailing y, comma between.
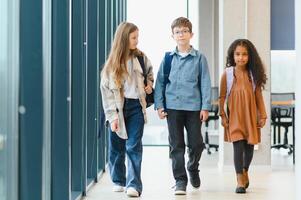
x: 260, y: 103
x: 222, y: 94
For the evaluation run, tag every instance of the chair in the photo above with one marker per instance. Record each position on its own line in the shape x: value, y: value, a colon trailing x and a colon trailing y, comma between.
x: 213, y: 115
x: 282, y: 116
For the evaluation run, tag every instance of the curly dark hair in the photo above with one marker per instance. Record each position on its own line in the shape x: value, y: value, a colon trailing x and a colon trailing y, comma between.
x: 254, y: 64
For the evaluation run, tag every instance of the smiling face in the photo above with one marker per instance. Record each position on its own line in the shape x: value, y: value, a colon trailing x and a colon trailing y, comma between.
x: 133, y: 40
x: 241, y: 56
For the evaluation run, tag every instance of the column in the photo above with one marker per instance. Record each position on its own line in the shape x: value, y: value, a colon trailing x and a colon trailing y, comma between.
x: 206, y: 35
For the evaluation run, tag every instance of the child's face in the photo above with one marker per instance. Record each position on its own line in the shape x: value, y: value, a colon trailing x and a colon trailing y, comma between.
x: 182, y: 35
x: 241, y: 56
x: 133, y: 40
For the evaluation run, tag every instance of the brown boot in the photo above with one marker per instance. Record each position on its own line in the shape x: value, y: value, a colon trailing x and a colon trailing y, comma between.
x: 246, y: 178
x: 240, y: 184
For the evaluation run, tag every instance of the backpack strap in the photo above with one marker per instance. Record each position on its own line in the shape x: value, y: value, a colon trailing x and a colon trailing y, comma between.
x: 166, y: 71
x: 229, y: 78
x: 141, y: 61
x: 167, y: 67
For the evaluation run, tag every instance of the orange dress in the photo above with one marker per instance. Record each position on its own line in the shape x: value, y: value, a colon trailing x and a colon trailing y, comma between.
x: 245, y: 107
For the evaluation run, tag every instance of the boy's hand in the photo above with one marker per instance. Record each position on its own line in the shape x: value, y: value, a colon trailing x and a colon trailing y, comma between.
x: 148, y: 89
x: 261, y: 123
x: 161, y: 113
x: 204, y: 115
x: 115, y: 126
x: 225, y: 122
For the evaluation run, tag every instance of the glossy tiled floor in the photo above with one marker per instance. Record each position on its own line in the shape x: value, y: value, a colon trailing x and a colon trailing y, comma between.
x: 276, y: 183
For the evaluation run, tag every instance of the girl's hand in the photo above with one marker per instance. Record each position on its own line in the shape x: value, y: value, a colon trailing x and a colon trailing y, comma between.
x: 261, y: 123
x: 225, y: 122
x: 115, y: 126
x: 148, y: 89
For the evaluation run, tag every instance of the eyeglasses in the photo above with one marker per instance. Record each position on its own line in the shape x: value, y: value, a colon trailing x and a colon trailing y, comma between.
x: 183, y: 32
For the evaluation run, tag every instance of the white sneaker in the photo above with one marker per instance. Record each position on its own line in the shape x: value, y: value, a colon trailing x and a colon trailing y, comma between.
x: 118, y: 188
x: 180, y: 192
x: 132, y: 192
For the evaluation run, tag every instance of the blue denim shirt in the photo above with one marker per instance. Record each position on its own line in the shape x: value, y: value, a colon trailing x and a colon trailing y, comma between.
x: 189, y: 86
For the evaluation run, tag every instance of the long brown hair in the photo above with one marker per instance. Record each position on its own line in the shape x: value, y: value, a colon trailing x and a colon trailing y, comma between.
x: 254, y: 64
x: 120, y: 52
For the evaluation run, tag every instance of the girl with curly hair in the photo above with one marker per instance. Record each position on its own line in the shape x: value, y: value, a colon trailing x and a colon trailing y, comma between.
x: 241, y: 90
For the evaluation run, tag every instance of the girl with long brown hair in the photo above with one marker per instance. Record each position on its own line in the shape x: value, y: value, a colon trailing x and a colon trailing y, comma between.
x: 123, y: 96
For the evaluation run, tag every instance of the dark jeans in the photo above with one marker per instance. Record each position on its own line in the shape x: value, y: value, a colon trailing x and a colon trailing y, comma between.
x: 190, y: 120
x: 132, y: 147
x: 243, y: 155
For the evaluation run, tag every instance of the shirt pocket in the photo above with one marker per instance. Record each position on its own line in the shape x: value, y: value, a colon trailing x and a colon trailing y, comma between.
x: 191, y: 73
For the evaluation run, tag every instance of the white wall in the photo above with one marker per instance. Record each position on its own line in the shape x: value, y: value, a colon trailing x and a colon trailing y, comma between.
x: 283, y: 71
x: 154, y: 19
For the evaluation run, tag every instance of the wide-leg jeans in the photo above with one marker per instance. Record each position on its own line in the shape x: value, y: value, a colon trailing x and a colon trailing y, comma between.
x: 132, y: 148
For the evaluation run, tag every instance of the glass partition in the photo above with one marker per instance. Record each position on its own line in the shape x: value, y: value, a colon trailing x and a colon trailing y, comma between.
x: 8, y: 99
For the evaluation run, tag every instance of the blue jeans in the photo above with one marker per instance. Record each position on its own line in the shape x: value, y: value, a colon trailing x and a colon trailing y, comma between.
x: 132, y: 147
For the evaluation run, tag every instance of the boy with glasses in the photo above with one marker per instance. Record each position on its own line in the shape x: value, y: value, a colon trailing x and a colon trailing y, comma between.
x: 184, y: 99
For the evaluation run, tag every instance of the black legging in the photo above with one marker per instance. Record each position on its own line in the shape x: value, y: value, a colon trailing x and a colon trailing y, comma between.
x: 243, y: 154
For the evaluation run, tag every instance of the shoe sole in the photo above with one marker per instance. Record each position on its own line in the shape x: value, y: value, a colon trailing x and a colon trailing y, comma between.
x: 132, y: 195
x: 180, y: 193
x: 118, y: 190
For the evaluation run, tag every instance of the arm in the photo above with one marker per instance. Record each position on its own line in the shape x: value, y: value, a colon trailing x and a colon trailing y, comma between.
x: 108, y: 100
x: 205, y: 84
x: 222, y: 98
x: 260, y: 107
x: 159, y: 88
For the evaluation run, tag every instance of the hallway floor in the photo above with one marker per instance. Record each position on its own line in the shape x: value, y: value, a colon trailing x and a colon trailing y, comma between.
x: 276, y: 183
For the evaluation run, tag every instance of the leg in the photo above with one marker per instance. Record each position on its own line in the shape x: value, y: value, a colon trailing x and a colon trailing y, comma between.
x: 175, y: 123
x: 134, y: 122
x: 248, y: 156
x: 238, y: 148
x: 195, y: 146
x: 117, y: 159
